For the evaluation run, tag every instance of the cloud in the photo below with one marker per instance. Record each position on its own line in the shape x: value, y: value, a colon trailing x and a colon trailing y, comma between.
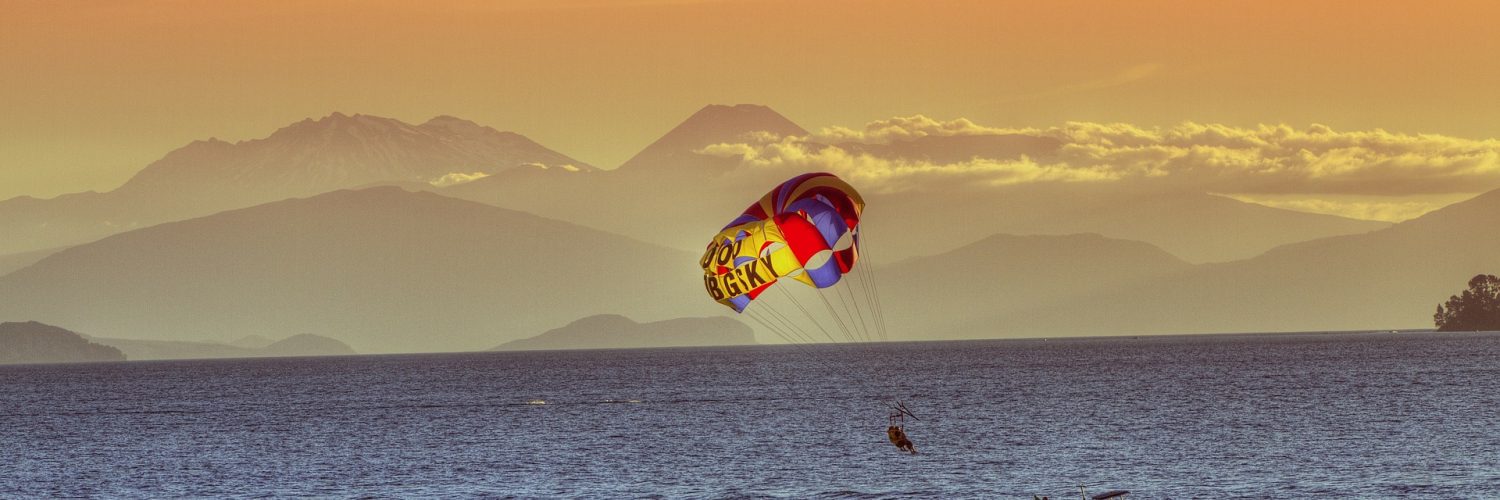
x: 889, y: 175
x: 904, y: 128
x: 457, y: 178
x: 1261, y: 160
x: 541, y: 166
x: 1278, y: 159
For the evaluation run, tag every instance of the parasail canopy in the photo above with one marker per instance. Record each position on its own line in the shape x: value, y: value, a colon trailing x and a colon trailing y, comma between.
x: 805, y: 229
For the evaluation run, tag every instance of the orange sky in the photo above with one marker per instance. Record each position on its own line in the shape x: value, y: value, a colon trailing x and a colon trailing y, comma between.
x: 91, y: 91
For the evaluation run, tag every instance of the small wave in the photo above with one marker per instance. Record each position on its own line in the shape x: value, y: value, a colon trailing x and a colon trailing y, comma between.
x: 848, y: 494
x: 537, y: 402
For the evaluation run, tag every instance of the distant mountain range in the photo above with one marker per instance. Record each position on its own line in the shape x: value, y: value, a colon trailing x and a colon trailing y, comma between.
x: 303, y: 159
x: 340, y: 152
x: 670, y: 181
x: 367, y: 229
x: 1197, y: 227
x: 678, y: 190
x: 1387, y: 279
x: 1003, y: 275
x: 382, y: 268
x: 613, y: 331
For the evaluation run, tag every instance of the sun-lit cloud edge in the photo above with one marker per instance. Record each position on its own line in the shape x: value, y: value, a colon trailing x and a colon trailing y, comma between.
x: 1368, y: 174
x: 456, y: 178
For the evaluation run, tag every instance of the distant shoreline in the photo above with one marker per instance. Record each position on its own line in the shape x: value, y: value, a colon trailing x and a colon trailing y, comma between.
x: 1196, y: 336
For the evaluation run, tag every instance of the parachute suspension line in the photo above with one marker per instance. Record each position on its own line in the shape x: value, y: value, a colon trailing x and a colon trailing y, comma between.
x: 857, y: 291
x: 809, y: 315
x: 844, y: 347
x: 773, y: 315
x: 814, y: 197
x: 806, y: 350
x: 839, y: 319
x: 789, y: 333
x: 873, y: 286
x: 870, y: 302
x: 847, y: 312
x: 769, y: 327
x: 776, y: 316
x: 785, y: 335
x: 864, y: 328
x: 863, y: 274
x: 806, y: 335
x: 762, y: 313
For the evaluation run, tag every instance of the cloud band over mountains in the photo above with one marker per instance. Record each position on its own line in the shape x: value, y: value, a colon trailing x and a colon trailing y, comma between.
x: 1268, y: 159
x: 1322, y: 165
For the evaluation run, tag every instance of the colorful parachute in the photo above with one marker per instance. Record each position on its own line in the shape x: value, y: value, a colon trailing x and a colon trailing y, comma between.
x: 805, y: 229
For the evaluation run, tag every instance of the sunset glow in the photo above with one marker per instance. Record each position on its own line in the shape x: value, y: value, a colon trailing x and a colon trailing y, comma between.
x: 96, y: 90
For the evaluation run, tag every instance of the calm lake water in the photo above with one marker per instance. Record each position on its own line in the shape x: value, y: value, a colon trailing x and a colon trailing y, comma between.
x: 1360, y: 415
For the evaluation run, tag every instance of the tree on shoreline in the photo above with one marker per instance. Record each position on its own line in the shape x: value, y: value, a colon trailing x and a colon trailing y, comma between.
x: 1478, y: 308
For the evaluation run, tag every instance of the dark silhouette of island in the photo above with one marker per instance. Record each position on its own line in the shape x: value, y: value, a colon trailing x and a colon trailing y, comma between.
x: 1476, y: 309
x: 294, y: 346
x: 612, y: 331
x: 33, y: 342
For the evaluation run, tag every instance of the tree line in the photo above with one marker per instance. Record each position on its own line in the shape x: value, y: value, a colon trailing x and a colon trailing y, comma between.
x: 1477, y: 308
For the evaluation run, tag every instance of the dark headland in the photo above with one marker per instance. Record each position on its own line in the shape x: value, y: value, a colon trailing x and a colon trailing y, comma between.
x: 33, y: 342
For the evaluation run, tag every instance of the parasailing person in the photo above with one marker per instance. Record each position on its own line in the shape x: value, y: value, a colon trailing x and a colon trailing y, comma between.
x: 807, y: 230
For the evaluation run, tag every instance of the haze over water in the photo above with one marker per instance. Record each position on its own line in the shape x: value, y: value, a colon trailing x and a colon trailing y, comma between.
x: 1406, y: 415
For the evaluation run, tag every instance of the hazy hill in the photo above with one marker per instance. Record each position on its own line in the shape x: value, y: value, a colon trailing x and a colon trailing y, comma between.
x: 307, y: 344
x: 16, y: 261
x: 611, y: 331
x: 306, y: 158
x: 713, y: 124
x: 1388, y: 279
x: 297, y: 345
x: 341, y: 151
x: 666, y: 194
x: 33, y: 342
x: 384, y: 269
x: 1001, y: 274
x: 1195, y: 226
